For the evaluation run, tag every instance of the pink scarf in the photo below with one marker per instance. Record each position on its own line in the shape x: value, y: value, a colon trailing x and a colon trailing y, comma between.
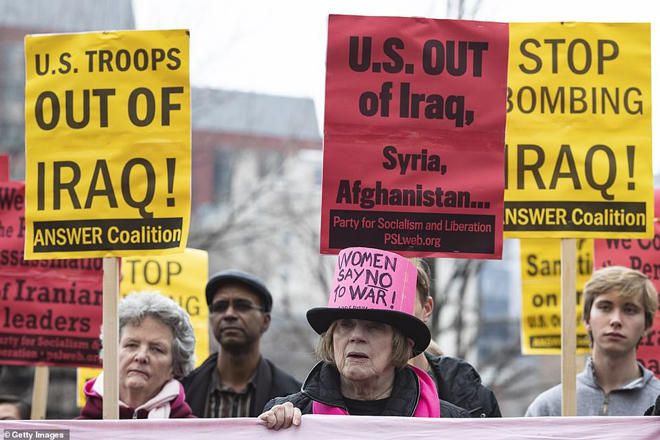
x: 428, y: 406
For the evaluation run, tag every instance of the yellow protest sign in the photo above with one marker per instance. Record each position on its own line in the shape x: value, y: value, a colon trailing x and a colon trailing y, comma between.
x: 181, y: 277
x: 540, y: 263
x: 107, y: 120
x: 579, y: 131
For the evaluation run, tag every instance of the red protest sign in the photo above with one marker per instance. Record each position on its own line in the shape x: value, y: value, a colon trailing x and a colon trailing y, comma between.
x: 414, y: 136
x: 644, y: 256
x: 50, y: 310
x: 4, y: 167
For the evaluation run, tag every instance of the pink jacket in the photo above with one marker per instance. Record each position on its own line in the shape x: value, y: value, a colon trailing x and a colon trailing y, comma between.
x: 428, y: 406
x: 170, y: 402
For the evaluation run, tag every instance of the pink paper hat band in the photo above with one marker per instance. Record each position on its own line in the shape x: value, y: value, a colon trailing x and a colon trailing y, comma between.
x: 368, y: 278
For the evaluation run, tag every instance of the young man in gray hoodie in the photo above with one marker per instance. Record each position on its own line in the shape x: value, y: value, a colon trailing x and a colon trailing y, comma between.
x: 619, y: 307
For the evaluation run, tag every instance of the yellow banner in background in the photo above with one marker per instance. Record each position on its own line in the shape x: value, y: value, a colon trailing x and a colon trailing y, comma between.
x: 181, y: 277
x: 540, y: 263
x: 578, y: 156
x: 108, y: 144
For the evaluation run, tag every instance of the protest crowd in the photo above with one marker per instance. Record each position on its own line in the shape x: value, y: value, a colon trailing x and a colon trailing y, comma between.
x: 372, y: 360
x: 427, y: 154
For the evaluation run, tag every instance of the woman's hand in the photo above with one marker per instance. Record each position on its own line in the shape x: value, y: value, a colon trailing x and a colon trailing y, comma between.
x: 282, y: 416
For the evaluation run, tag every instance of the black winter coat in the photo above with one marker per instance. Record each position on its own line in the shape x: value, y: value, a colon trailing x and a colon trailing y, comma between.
x: 323, y: 385
x: 459, y: 383
x: 655, y: 409
x: 270, y: 382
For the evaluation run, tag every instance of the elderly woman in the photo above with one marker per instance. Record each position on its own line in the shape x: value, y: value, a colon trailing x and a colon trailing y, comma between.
x: 156, y: 347
x: 368, y: 333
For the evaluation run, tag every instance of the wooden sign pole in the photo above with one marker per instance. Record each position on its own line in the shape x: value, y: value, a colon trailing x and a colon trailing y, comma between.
x: 568, y: 327
x: 110, y: 338
x: 39, y: 393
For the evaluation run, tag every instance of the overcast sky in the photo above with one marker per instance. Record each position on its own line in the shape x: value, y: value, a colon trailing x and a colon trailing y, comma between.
x: 278, y: 46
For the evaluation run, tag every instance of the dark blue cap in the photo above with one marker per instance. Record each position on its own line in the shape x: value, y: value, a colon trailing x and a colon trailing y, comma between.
x: 250, y: 281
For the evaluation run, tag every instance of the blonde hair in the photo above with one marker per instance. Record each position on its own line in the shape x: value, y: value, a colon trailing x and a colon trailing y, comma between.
x: 434, y: 349
x: 401, y: 348
x: 629, y: 284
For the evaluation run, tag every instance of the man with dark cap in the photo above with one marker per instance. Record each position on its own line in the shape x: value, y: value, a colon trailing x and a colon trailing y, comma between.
x: 237, y: 381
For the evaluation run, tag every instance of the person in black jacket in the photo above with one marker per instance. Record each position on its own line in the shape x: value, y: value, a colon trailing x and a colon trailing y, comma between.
x: 456, y: 380
x: 655, y: 409
x: 13, y: 408
x: 237, y: 381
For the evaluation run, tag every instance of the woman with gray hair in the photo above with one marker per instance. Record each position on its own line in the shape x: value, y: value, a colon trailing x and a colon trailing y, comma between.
x: 156, y: 347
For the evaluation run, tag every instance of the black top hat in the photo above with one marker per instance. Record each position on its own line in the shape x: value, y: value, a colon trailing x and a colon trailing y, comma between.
x: 252, y: 282
x: 320, y: 319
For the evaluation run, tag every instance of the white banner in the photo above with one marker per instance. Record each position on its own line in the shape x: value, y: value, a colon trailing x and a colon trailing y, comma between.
x: 339, y: 427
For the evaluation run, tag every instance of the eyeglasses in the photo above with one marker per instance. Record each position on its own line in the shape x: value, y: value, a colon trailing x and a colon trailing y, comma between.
x: 239, y: 305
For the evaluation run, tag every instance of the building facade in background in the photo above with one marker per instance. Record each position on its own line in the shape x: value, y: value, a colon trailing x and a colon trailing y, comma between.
x: 21, y: 18
x: 256, y: 170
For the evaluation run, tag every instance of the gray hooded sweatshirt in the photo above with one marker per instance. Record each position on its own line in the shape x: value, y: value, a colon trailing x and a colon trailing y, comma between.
x: 631, y: 399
